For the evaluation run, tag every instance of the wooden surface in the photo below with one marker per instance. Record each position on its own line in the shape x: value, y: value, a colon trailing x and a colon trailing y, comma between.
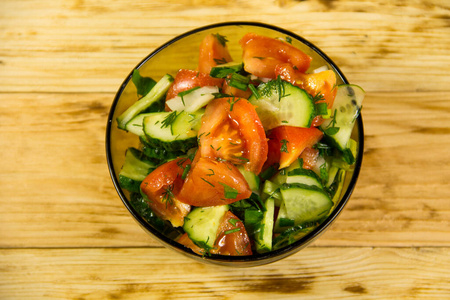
x: 65, y: 234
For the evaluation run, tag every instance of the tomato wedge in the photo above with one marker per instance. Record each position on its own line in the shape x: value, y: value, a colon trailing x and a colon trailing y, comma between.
x: 188, y: 79
x: 213, y: 51
x: 161, y: 188
x: 322, y: 83
x: 232, y: 238
x: 262, y: 54
x: 231, y: 130
x: 291, y: 141
x: 211, y: 182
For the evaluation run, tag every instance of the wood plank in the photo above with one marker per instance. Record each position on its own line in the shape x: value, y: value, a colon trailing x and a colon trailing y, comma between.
x: 315, y: 272
x: 55, y: 189
x: 91, y: 46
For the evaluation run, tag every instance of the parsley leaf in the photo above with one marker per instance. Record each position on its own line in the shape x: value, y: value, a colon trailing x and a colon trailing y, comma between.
x: 143, y: 84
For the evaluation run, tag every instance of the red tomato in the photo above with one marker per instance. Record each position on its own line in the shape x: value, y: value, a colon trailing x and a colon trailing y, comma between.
x: 212, y: 50
x: 309, y: 157
x: 262, y: 54
x: 323, y: 83
x: 290, y: 142
x: 211, y: 182
x: 231, y: 130
x: 232, y: 238
x: 161, y: 188
x: 188, y: 79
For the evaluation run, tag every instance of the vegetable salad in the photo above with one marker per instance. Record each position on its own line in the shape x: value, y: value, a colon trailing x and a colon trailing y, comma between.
x: 241, y: 155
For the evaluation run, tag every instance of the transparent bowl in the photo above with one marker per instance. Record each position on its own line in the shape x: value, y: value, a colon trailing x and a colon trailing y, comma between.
x: 182, y: 52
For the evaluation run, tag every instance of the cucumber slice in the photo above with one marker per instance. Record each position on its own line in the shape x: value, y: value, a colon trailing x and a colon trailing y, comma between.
x: 187, y: 124
x: 136, y: 126
x: 195, y: 99
x: 283, y: 221
x: 281, y: 103
x: 251, y: 178
x: 134, y: 170
x: 345, y: 110
x: 303, y: 176
x: 263, y: 238
x: 202, y: 224
x: 305, y: 203
x: 156, y: 93
x: 160, y: 131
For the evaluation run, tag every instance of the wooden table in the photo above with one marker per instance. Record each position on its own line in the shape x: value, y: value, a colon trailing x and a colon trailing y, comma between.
x: 65, y: 234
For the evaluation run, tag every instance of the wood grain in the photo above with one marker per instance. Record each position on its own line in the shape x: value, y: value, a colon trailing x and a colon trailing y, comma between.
x: 315, y: 273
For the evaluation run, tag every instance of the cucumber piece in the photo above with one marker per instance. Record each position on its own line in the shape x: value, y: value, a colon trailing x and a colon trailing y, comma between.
x: 305, y: 203
x: 155, y: 94
x: 134, y: 170
x: 291, y: 235
x: 187, y: 124
x: 304, y: 176
x: 222, y: 71
x: 281, y: 103
x: 283, y: 221
x: 263, y: 238
x: 251, y: 178
x: 135, y: 125
x: 202, y: 224
x: 160, y: 133
x: 345, y: 110
x: 192, y: 101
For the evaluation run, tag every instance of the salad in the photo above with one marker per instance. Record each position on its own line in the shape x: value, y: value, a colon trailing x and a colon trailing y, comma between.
x: 242, y: 156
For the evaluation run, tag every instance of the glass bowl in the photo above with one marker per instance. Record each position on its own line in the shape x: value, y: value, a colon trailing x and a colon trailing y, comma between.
x: 182, y: 52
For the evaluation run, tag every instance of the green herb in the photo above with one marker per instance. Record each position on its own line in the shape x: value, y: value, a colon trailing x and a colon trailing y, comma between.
x: 221, y: 95
x: 143, y: 84
x: 185, y: 172
x: 289, y: 39
x: 279, y: 87
x: 220, y: 61
x: 221, y: 39
x: 224, y: 71
x: 230, y: 193
x: 168, y: 121
x: 239, y: 81
x: 243, y: 159
x: 212, y: 172
x: 321, y: 109
x: 168, y: 195
x: 284, y: 146
x: 207, y: 182
x: 285, y: 222
x: 254, y: 91
x: 259, y: 57
x: 184, y: 93
x: 318, y: 97
x: 232, y: 230
x: 331, y: 128
x: 284, y: 121
x: 323, y: 172
x: 233, y: 221
x: 232, y: 101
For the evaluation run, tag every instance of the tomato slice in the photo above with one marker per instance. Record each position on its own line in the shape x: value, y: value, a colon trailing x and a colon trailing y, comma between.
x: 262, y: 54
x: 322, y: 83
x: 188, y: 79
x: 309, y: 157
x: 231, y: 130
x: 232, y: 238
x: 291, y: 141
x: 211, y: 182
x: 213, y: 51
x: 161, y: 188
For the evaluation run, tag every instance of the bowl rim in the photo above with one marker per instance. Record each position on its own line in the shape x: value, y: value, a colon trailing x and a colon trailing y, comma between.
x: 271, y: 256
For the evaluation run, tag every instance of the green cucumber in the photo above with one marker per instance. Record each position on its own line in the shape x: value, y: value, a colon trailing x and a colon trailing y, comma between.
x: 251, y: 178
x: 135, y: 125
x: 345, y: 110
x: 281, y: 103
x: 134, y: 170
x: 162, y: 131
x: 193, y: 99
x: 305, y: 203
x: 187, y: 124
x: 155, y: 94
x: 303, y: 176
x: 263, y: 239
x: 202, y: 224
x: 283, y: 221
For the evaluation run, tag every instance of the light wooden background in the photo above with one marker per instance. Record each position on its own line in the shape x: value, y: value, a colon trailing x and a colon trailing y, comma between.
x: 65, y: 234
